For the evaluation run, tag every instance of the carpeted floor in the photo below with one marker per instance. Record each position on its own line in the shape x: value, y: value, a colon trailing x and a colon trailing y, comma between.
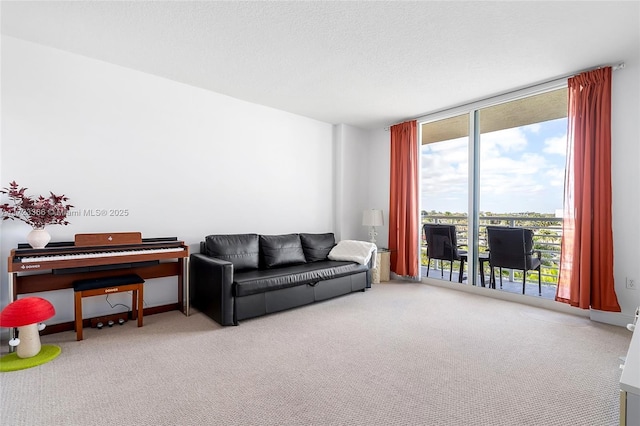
x: 399, y: 354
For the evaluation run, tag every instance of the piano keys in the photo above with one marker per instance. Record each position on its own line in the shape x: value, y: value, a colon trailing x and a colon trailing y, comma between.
x: 54, y: 258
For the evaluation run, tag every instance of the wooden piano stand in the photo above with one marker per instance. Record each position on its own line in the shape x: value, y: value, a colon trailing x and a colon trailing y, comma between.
x: 136, y: 301
x: 98, y: 257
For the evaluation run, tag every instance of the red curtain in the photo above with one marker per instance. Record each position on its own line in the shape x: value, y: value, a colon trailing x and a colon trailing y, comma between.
x: 586, y: 263
x: 403, y: 202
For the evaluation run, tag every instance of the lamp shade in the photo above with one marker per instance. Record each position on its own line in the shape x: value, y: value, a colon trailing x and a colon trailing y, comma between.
x: 372, y: 217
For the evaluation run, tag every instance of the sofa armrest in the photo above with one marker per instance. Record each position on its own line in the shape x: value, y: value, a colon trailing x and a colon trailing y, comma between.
x: 211, y: 283
x: 370, y: 272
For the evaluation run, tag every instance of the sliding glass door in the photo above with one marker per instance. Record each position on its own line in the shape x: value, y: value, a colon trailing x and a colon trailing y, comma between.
x: 505, y: 169
x: 445, y: 193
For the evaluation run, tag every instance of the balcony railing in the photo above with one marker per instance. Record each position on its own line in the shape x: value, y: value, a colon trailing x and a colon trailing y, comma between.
x: 547, y: 238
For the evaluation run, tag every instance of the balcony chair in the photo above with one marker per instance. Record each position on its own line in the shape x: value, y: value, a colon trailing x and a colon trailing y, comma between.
x: 512, y: 248
x: 442, y: 245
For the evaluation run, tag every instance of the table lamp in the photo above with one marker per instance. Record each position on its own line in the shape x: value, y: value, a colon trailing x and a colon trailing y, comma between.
x: 372, y: 218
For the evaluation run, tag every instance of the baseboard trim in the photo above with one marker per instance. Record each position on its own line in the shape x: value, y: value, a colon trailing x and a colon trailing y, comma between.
x: 511, y: 297
x: 614, y: 318
x: 86, y: 322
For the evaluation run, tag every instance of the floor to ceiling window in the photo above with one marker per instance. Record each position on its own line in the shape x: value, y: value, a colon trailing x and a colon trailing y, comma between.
x: 499, y: 164
x: 445, y: 189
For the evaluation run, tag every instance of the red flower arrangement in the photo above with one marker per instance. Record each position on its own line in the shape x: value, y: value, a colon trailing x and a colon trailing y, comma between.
x: 36, y: 212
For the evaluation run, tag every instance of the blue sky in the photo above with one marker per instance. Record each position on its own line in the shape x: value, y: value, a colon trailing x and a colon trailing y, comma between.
x: 521, y: 170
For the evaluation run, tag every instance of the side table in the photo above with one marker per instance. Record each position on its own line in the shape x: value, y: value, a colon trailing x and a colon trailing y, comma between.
x: 383, y: 261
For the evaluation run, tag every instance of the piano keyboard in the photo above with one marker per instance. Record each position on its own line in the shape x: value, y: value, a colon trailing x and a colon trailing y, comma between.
x: 98, y: 254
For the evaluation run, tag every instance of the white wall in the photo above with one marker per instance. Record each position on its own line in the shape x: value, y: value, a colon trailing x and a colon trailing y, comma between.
x: 183, y: 161
x: 362, y: 180
x: 379, y: 148
x: 625, y: 161
x: 352, y: 182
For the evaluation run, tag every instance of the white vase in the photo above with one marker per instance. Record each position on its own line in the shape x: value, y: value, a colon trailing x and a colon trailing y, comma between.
x: 38, y: 238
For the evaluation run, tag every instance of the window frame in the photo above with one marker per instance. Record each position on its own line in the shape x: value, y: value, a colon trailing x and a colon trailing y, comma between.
x: 473, y: 109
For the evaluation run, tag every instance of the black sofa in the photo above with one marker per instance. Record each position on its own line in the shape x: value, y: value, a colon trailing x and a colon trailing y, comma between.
x: 241, y: 276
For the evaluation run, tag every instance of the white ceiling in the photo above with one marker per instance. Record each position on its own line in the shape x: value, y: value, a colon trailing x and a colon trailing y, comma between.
x: 367, y: 64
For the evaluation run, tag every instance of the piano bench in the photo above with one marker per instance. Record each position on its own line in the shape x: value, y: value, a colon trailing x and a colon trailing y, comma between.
x: 106, y: 286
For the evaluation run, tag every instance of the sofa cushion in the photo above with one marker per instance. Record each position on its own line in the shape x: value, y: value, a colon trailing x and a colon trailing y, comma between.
x: 95, y: 283
x: 243, y: 250
x: 316, y: 247
x: 281, y: 250
x: 262, y: 280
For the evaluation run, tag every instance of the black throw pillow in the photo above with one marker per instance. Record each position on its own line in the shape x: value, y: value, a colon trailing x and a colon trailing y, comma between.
x: 281, y: 250
x: 243, y: 250
x: 317, y: 246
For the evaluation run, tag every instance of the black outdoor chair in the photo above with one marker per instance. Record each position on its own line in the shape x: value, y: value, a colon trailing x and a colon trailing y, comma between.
x: 442, y: 245
x: 512, y: 248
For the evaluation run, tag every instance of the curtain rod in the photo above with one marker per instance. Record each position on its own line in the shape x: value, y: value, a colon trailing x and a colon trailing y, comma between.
x: 618, y: 66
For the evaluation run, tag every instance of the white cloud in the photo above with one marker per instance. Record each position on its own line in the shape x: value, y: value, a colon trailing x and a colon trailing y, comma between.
x: 555, y: 177
x: 511, y: 176
x: 533, y: 128
x: 508, y: 140
x: 557, y: 145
